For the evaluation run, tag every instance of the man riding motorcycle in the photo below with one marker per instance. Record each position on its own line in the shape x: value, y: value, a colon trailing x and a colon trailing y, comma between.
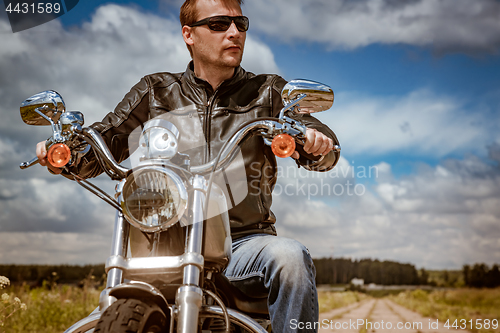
x: 225, y: 96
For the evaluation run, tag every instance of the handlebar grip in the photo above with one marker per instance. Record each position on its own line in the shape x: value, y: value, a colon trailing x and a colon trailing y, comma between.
x: 300, y: 149
x: 26, y: 165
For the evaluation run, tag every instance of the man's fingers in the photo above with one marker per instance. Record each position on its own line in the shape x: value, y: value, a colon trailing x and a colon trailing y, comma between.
x: 310, y: 136
x: 326, y: 147
x: 41, y: 153
x: 317, y: 147
x: 317, y: 143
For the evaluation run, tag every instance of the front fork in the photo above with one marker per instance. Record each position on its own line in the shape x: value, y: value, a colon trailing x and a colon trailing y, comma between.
x: 189, y: 296
x: 119, y: 248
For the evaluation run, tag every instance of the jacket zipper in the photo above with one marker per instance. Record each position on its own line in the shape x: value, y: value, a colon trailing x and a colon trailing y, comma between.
x: 208, y: 125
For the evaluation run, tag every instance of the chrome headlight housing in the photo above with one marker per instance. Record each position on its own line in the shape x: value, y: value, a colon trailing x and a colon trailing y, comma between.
x: 153, y: 198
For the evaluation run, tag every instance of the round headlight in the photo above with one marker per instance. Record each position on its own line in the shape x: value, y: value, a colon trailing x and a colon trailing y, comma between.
x: 153, y: 198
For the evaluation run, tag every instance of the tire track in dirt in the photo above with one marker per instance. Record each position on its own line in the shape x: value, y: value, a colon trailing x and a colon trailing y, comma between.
x: 379, y: 316
x: 345, y: 319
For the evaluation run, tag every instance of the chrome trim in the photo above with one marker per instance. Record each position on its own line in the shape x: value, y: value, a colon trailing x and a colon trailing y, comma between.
x: 223, y: 308
x: 235, y: 317
x: 96, y: 191
x: 42, y: 100
x: 233, y: 143
x: 318, y: 97
x: 158, y: 122
x: 119, y: 246
x: 102, y: 151
x: 85, y: 325
x: 134, y: 268
x: 153, y: 143
x: 188, y: 300
x: 105, y: 299
x: 25, y: 165
x: 179, y: 185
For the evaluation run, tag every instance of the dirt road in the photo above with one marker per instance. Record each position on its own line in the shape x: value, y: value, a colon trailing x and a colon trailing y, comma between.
x: 377, y: 316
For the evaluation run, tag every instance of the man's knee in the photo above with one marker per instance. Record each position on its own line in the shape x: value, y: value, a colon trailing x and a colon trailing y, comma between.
x: 290, y: 255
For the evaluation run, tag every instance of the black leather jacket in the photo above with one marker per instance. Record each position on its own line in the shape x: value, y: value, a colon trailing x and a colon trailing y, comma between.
x: 244, y: 97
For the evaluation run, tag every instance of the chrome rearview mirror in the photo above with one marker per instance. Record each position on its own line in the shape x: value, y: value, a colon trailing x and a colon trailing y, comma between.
x: 44, y: 108
x: 307, y: 96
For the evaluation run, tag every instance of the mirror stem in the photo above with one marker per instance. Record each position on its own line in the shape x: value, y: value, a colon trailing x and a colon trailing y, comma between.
x: 291, y: 105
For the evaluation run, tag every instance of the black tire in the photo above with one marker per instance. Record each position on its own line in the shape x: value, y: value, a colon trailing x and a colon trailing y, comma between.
x: 132, y: 316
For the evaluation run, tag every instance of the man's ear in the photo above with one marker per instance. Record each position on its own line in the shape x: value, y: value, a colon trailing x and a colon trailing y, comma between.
x: 187, y: 35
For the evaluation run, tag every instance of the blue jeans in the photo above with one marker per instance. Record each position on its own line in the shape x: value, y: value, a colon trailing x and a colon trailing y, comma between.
x: 281, y: 268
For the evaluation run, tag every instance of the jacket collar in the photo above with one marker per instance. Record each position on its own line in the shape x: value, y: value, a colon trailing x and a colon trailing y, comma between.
x: 239, y: 74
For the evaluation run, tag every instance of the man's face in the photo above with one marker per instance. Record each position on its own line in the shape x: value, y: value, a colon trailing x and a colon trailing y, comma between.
x: 217, y: 48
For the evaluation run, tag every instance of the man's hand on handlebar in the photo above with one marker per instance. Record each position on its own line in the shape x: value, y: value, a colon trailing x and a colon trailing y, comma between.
x: 41, y: 153
x: 316, y: 143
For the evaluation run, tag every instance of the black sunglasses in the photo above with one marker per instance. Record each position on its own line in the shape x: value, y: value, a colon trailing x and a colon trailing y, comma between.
x: 222, y: 23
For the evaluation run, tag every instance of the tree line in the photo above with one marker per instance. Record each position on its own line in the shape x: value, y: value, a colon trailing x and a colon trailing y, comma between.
x: 328, y: 271
x: 480, y: 275
x: 35, y: 275
x: 342, y: 271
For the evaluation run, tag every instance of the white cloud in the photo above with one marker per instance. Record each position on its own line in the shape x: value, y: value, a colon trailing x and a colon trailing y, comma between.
x: 440, y: 217
x: 457, y: 25
x: 421, y: 122
x: 54, y: 248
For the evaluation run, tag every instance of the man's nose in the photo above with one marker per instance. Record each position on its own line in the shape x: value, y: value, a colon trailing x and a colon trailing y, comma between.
x: 233, y: 31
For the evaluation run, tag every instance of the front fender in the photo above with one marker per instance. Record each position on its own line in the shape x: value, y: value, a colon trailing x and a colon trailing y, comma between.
x: 85, y: 324
x: 141, y: 291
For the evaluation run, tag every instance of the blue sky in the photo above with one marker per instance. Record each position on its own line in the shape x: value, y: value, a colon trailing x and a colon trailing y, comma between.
x: 417, y: 87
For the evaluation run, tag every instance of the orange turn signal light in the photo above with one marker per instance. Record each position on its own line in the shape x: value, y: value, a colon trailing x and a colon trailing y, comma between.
x: 59, y: 155
x: 283, y: 145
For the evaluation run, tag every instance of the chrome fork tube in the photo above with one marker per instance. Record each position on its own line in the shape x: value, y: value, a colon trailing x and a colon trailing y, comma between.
x: 189, y: 296
x: 118, y: 248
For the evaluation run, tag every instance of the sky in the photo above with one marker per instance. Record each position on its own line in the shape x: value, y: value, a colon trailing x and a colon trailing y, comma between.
x: 417, y: 110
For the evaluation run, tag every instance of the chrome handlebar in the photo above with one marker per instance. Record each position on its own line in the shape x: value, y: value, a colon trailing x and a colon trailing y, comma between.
x: 266, y: 126
x: 234, y: 142
x: 30, y: 163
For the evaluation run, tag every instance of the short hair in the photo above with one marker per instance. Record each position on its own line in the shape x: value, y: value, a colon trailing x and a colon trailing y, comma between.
x: 188, y: 12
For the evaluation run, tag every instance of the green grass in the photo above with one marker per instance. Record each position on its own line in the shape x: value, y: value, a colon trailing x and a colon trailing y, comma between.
x: 329, y: 300
x: 455, y: 304
x: 49, y: 309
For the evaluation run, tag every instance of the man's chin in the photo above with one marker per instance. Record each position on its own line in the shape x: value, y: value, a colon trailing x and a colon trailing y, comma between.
x: 232, y: 61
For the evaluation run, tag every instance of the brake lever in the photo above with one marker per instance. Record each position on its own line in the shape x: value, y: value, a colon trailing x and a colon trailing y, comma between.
x: 30, y: 163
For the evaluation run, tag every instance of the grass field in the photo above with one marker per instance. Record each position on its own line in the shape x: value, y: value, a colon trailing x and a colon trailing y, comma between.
x: 329, y: 300
x: 54, y: 308
x: 49, y: 309
x: 462, y: 304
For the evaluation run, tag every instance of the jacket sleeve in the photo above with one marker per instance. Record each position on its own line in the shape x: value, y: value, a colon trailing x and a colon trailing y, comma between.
x: 115, y: 128
x: 307, y: 161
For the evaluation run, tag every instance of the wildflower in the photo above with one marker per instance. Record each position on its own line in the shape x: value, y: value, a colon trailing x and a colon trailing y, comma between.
x: 5, y: 297
x: 17, y: 300
x: 23, y: 307
x: 4, y: 282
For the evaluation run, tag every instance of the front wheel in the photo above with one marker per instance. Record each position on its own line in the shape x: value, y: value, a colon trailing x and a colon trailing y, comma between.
x: 132, y: 316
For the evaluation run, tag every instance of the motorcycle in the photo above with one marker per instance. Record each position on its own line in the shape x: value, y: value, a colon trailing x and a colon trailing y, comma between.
x: 171, y: 238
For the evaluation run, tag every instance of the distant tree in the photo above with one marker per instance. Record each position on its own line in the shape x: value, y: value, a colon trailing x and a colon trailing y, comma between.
x: 424, y: 277
x: 477, y: 276
x: 466, y: 274
x: 492, y: 277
